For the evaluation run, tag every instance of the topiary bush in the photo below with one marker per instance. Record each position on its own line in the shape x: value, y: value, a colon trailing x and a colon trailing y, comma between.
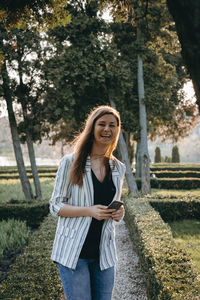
x: 169, y: 270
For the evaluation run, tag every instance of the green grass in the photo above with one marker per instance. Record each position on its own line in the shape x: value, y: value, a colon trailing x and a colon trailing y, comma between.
x: 13, y: 234
x: 11, y: 189
x: 186, y: 233
x: 175, y: 193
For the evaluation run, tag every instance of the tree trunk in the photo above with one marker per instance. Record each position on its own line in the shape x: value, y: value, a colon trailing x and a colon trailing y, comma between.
x: 138, y: 167
x: 31, y: 153
x: 144, y: 155
x: 15, y: 137
x: 29, y: 141
x: 132, y: 186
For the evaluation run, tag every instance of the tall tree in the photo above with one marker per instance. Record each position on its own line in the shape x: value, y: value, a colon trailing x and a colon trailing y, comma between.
x: 186, y: 17
x: 7, y: 95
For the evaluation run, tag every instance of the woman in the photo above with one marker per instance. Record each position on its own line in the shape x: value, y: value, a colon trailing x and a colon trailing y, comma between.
x: 87, y: 181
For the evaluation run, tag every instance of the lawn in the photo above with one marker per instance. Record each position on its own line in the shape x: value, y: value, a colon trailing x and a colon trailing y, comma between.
x: 186, y: 233
x: 11, y: 189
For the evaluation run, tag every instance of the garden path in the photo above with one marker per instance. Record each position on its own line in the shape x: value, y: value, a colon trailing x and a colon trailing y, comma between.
x: 130, y: 279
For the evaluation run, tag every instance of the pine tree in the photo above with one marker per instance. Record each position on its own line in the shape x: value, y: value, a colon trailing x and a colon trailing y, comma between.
x: 175, y: 155
x: 157, y: 157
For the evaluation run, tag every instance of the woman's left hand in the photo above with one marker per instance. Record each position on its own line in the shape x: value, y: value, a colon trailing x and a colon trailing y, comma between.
x: 118, y: 214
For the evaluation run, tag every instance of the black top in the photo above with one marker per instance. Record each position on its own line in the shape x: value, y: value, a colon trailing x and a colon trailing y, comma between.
x: 103, y: 194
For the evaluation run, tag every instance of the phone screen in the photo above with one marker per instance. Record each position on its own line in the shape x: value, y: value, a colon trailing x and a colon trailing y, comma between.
x: 115, y: 205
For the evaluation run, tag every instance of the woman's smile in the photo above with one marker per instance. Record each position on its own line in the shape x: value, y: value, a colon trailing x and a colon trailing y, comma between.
x: 105, y: 129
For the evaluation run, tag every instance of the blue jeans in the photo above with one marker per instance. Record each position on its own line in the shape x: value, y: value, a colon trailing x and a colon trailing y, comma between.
x: 87, y: 281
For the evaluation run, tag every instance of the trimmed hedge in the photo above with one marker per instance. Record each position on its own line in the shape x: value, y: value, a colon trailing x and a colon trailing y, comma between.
x: 41, y: 169
x: 169, y: 270
x: 33, y: 275
x: 175, y: 168
x: 177, y: 209
x: 176, y: 174
x: 16, y: 176
x: 173, y: 183
x: 33, y: 212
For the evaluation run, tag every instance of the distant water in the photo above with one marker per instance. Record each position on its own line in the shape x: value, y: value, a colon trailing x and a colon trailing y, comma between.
x: 8, y: 161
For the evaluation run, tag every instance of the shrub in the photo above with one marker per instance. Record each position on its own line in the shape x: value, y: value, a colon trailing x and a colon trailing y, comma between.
x: 157, y: 157
x: 175, y: 155
x: 173, y: 183
x: 13, y: 234
x: 33, y: 275
x: 169, y: 270
x: 177, y: 174
x: 177, y: 209
x: 33, y: 212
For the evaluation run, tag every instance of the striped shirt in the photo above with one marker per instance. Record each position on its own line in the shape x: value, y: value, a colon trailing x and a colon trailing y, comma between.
x: 71, y: 232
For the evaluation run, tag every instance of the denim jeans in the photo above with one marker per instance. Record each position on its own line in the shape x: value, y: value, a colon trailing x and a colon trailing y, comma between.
x: 87, y: 281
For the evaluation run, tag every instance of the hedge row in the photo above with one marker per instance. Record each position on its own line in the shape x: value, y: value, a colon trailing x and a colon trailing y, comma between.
x: 172, y: 210
x: 33, y: 212
x: 169, y: 270
x: 33, y: 275
x: 175, y: 168
x: 173, y: 183
x: 177, y: 174
x: 41, y: 169
x: 16, y: 176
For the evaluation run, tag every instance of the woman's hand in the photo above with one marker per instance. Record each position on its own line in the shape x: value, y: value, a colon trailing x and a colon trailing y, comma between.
x: 100, y: 212
x: 117, y: 215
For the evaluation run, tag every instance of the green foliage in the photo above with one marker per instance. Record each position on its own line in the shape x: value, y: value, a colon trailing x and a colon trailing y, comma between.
x: 173, y: 183
x: 13, y: 234
x: 175, y: 167
x: 177, y: 209
x: 157, y: 158
x: 169, y: 270
x: 177, y: 174
x: 175, y: 154
x: 31, y: 212
x: 34, y: 275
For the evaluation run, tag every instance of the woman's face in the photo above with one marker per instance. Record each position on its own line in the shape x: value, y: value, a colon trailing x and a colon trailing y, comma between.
x: 105, y: 130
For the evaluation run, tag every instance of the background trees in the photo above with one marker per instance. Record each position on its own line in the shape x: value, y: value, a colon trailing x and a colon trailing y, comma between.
x: 175, y: 154
x: 89, y: 62
x: 157, y: 157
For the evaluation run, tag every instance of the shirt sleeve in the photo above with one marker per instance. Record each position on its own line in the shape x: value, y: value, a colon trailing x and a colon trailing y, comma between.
x: 62, y: 186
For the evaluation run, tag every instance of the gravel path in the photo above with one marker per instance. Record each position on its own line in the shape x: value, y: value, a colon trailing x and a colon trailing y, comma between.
x: 129, y: 280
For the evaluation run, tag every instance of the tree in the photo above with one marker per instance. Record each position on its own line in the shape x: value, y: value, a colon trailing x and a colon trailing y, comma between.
x: 175, y: 154
x: 7, y: 95
x: 92, y: 72
x: 186, y: 17
x: 157, y: 158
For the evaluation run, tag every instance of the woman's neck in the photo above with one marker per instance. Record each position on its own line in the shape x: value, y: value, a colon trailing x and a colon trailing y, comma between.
x: 98, y: 152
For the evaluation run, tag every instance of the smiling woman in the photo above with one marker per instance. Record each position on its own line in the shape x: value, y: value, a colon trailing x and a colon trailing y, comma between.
x: 87, y: 182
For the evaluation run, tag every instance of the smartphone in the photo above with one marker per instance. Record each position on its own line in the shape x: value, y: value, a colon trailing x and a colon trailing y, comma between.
x: 115, y: 205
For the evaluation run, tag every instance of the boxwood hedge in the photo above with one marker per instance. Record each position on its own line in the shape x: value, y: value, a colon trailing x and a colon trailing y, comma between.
x: 33, y: 275
x: 169, y: 270
x: 177, y: 209
x: 32, y: 212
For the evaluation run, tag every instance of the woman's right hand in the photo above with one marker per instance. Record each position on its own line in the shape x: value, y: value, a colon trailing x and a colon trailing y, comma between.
x: 100, y: 212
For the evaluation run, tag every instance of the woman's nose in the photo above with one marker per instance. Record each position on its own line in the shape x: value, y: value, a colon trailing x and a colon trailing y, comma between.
x: 106, y: 128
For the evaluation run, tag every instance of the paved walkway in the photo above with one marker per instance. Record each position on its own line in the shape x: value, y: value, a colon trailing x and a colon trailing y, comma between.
x: 130, y: 281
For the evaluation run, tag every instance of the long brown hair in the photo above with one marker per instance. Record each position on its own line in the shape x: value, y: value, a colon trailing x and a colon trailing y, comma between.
x: 84, y: 141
